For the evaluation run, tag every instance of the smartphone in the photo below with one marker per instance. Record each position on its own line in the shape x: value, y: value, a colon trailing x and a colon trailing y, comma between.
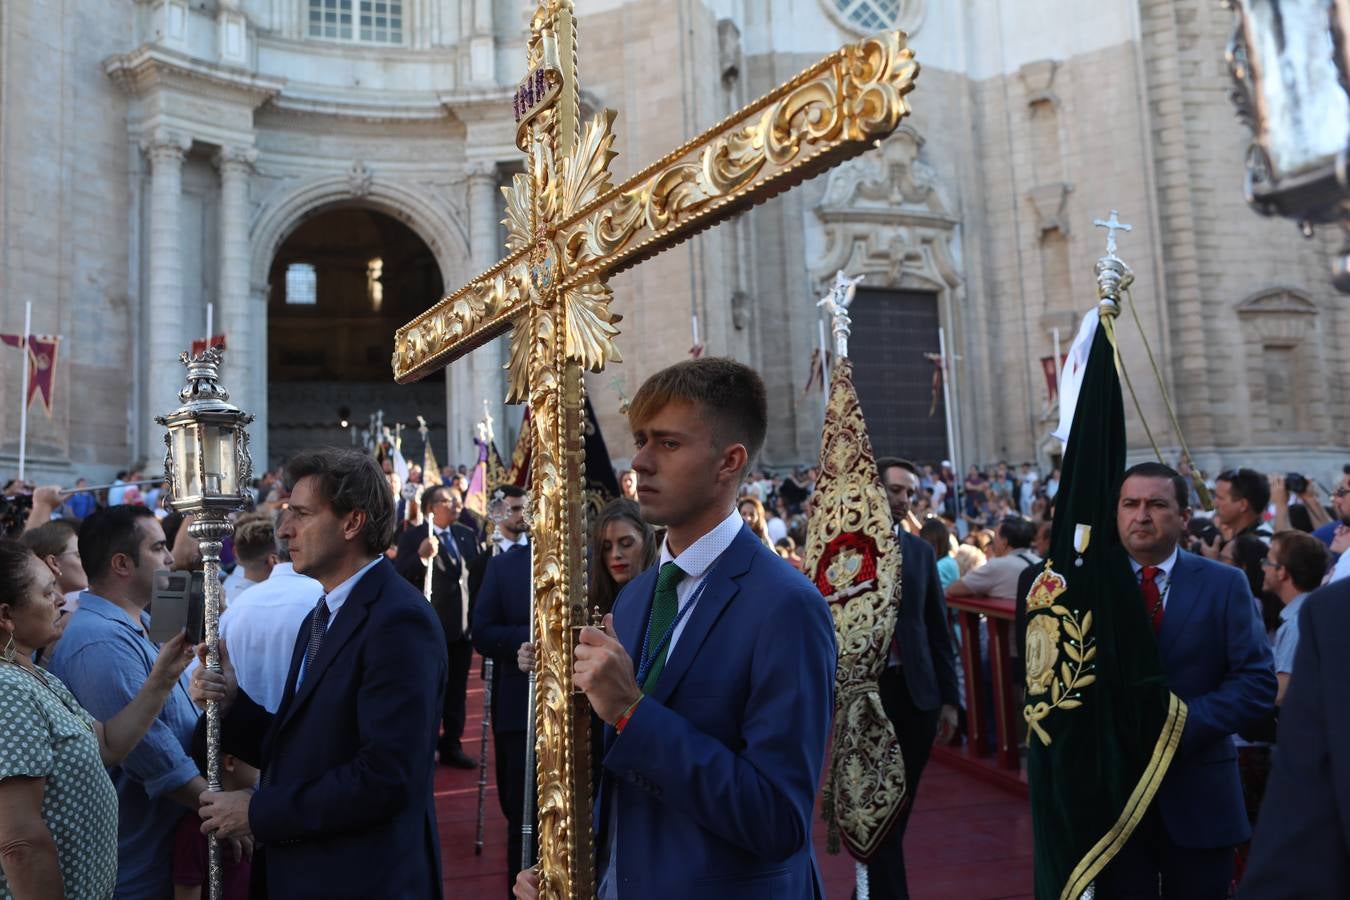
x: 178, y: 603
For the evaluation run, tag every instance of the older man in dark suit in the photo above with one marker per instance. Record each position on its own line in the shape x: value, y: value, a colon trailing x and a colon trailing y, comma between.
x: 449, y: 548
x: 1216, y: 658
x: 345, y: 807
x: 919, y: 688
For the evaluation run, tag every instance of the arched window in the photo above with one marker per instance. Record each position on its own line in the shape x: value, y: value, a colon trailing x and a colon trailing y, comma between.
x: 869, y: 16
x: 358, y: 21
x: 302, y: 285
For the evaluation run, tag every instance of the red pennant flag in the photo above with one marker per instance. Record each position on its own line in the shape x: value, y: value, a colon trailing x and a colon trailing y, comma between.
x: 1051, y: 379
x: 42, y: 352
x: 199, y: 346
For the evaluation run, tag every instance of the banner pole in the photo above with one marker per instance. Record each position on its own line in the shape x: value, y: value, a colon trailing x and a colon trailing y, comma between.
x: 958, y: 476
x: 23, y: 391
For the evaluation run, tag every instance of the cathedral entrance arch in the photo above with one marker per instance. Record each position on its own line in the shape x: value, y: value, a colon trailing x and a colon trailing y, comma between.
x: 338, y: 286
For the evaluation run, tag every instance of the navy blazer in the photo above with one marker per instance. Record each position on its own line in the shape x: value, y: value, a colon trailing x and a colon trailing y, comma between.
x: 445, y: 592
x: 501, y: 623
x: 715, y: 775
x: 348, y: 760
x: 1302, y: 843
x: 925, y: 639
x: 1216, y: 657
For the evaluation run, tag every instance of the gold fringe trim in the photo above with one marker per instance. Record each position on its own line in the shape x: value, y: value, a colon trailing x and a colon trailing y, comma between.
x: 1102, y: 852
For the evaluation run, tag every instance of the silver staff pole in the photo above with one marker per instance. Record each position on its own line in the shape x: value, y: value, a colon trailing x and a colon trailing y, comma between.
x: 527, y: 818
x: 496, y: 515
x: 431, y: 560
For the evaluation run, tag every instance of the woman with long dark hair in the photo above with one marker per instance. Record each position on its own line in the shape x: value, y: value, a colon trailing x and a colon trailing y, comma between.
x: 622, y: 546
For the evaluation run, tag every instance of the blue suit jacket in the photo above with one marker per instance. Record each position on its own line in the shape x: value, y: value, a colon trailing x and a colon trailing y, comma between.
x: 348, y: 759
x: 715, y: 775
x: 1302, y: 843
x: 1216, y: 657
x: 501, y: 623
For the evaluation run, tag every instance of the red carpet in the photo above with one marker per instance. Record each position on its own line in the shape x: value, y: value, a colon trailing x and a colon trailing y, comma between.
x: 967, y: 840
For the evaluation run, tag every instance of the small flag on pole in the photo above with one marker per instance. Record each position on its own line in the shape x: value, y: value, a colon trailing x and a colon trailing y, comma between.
x: 42, y: 353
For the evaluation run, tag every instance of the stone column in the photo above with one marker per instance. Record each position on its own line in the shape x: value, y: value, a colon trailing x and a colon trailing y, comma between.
x: 482, y: 45
x: 487, y: 379
x: 238, y: 319
x: 257, y: 432
x: 166, y: 322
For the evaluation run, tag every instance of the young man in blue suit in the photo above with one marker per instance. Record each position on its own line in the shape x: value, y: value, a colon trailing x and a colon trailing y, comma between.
x: 715, y: 673
x: 1216, y: 658
x: 345, y: 806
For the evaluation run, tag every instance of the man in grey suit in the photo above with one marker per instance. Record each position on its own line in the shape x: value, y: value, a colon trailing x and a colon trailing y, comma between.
x: 919, y: 687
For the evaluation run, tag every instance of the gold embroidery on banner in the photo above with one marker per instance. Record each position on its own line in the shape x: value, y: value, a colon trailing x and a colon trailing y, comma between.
x: 1105, y: 850
x: 1046, y: 619
x: 854, y: 560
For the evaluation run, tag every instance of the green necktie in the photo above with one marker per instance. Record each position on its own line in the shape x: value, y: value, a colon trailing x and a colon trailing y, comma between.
x: 664, y: 606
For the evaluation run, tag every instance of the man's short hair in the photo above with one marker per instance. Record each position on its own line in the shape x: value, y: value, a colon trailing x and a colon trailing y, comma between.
x: 510, y: 490
x: 108, y: 532
x: 350, y: 481
x: 50, y: 538
x: 1017, y: 532
x: 1158, y: 470
x: 1249, y: 485
x: 895, y: 462
x: 432, y: 495
x: 254, y: 538
x: 1303, y: 556
x: 731, y: 394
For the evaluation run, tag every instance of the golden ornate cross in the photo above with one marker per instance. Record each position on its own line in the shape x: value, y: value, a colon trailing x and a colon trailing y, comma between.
x: 569, y: 229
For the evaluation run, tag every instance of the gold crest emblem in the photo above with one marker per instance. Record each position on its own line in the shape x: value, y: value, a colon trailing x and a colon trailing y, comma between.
x: 1054, y: 630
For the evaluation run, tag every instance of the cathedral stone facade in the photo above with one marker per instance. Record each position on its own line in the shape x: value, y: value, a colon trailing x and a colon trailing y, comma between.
x: 156, y: 156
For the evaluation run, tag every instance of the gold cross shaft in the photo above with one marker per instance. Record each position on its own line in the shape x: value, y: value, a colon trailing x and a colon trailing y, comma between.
x: 569, y: 229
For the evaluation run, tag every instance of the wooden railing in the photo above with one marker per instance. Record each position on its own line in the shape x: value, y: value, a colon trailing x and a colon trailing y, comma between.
x: 1002, y: 764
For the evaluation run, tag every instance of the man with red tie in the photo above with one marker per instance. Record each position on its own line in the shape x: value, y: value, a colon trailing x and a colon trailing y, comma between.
x: 1216, y: 658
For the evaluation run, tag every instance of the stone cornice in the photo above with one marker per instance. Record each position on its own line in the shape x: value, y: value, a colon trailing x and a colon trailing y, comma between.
x: 150, y: 67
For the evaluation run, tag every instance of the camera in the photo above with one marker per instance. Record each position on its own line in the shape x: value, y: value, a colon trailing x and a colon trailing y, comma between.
x: 1296, y: 483
x: 14, y: 510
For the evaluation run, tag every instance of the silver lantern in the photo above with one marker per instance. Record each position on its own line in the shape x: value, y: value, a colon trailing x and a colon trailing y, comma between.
x: 1290, y: 63
x: 208, y: 468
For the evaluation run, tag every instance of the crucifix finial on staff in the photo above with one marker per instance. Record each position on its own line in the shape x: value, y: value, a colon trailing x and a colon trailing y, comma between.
x: 1112, y: 225
x: 488, y: 420
x: 836, y: 303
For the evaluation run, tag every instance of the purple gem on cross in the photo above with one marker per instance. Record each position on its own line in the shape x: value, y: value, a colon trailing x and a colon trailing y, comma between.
x: 539, y: 81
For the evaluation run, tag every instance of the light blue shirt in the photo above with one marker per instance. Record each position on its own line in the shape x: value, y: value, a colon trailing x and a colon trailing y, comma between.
x: 334, y: 600
x: 697, y: 561
x: 1286, y: 636
x: 104, y: 658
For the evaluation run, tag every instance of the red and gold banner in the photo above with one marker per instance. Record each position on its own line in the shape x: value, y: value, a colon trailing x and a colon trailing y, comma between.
x: 42, y: 351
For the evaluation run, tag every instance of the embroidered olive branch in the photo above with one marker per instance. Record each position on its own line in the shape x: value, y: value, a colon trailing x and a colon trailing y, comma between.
x: 1081, y: 649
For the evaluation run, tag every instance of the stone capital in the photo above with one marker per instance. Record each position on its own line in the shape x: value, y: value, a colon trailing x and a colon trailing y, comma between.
x: 235, y: 157
x: 481, y: 170
x: 165, y: 145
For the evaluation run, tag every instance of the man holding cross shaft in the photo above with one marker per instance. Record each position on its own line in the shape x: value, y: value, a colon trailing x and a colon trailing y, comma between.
x: 714, y: 674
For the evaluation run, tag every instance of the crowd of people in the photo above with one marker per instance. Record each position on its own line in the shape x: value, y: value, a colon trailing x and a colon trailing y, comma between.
x: 353, y: 607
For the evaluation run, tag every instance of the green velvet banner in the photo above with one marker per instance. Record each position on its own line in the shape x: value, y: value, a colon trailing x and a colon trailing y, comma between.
x: 1101, y: 724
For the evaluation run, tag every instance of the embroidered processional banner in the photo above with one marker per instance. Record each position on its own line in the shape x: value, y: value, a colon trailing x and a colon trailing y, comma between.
x: 854, y: 559
x: 1102, y: 725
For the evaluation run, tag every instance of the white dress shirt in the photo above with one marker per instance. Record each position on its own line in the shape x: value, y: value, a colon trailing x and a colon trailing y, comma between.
x: 334, y: 600
x: 261, y: 625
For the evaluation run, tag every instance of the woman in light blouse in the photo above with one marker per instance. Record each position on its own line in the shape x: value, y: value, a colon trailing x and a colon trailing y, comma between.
x: 58, y: 809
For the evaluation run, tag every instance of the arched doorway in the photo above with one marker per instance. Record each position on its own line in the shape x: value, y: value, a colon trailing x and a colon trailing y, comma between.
x: 339, y: 286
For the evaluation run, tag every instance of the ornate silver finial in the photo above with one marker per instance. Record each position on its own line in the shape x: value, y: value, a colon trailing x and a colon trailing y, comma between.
x: 422, y: 428
x: 1112, y: 225
x: 836, y: 303
x: 1113, y: 275
x: 203, y: 376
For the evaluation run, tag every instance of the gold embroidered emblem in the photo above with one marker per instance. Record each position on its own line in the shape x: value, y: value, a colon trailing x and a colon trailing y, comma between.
x: 844, y: 569
x: 1052, y: 629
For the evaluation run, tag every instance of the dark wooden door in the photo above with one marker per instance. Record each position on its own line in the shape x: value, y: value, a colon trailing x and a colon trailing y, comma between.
x: 892, y: 333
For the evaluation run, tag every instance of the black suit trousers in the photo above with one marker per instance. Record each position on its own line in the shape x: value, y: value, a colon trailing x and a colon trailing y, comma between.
x: 1151, y: 867
x: 916, y: 730
x: 510, y: 759
x: 461, y: 659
